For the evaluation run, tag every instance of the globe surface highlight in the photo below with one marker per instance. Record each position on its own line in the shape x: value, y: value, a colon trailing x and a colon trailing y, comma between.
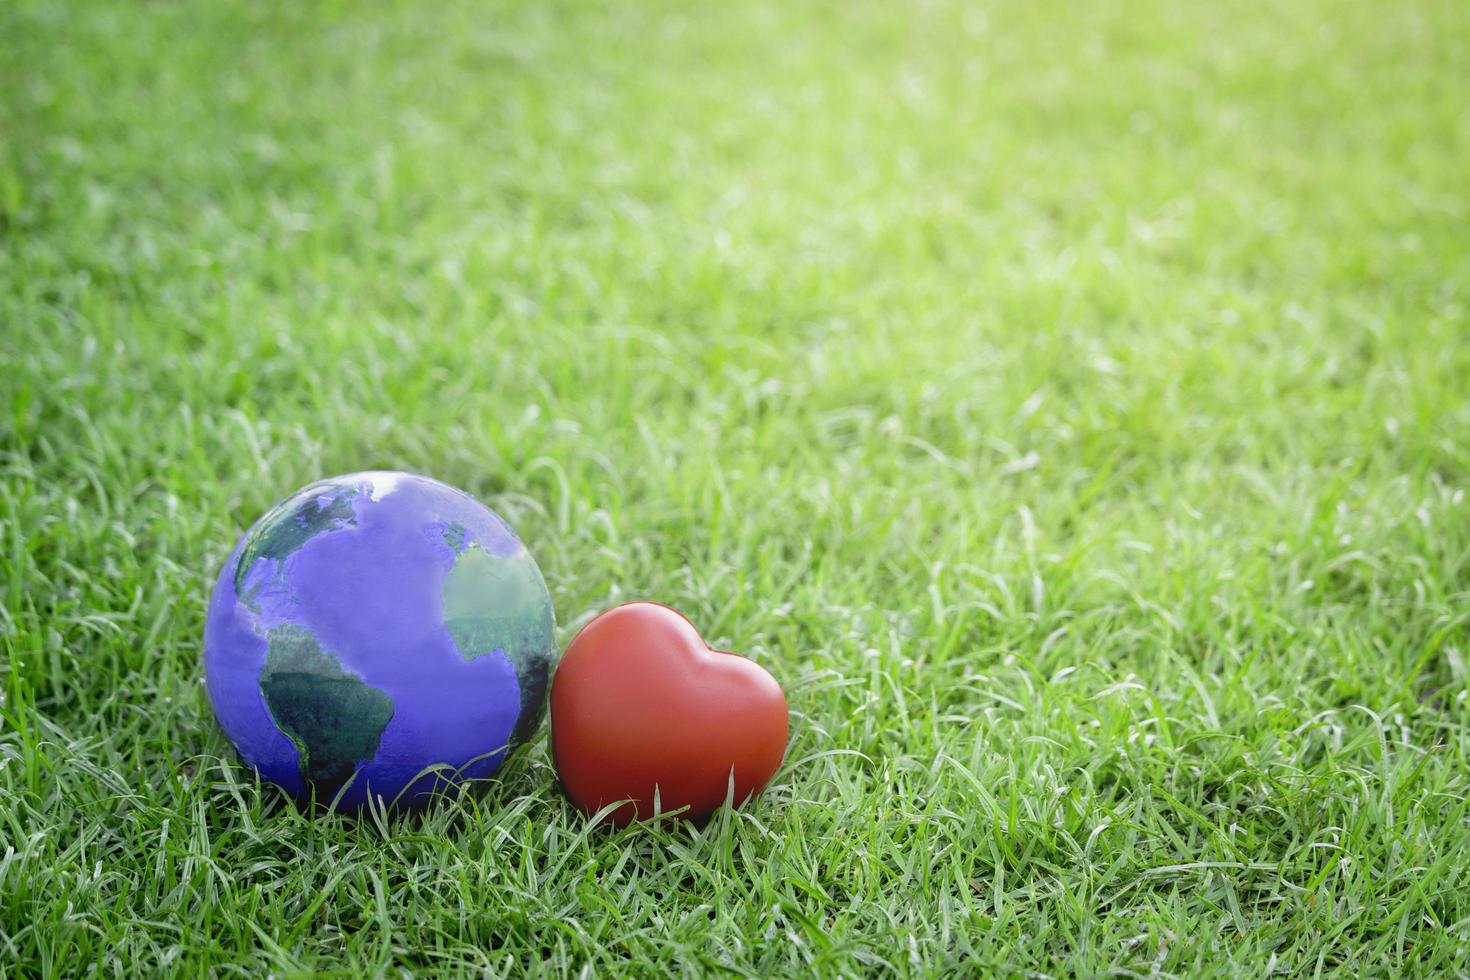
x: 378, y: 634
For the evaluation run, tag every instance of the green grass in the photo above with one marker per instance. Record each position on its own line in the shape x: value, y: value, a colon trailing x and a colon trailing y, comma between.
x: 1070, y: 405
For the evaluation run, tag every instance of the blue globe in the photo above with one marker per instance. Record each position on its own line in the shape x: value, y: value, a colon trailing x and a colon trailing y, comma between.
x: 378, y: 635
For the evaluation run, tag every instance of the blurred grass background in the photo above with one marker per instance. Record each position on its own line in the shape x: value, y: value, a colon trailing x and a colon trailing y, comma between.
x: 1068, y: 402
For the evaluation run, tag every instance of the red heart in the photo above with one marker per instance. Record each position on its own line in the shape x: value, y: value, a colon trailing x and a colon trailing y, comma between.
x: 640, y: 702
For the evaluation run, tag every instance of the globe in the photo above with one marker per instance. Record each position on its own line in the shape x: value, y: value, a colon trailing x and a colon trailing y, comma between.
x: 378, y: 636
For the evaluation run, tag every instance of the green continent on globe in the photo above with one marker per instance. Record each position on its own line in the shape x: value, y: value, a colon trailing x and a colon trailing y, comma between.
x: 334, y: 717
x: 455, y: 536
x: 295, y: 521
x: 493, y: 603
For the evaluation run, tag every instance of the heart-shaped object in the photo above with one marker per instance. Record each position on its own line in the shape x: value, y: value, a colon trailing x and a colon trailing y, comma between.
x: 642, y: 705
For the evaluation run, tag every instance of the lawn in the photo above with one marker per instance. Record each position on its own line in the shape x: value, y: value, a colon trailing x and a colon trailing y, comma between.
x: 1070, y: 405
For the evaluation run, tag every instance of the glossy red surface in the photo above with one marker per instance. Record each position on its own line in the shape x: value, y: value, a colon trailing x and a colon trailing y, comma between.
x: 641, y: 703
